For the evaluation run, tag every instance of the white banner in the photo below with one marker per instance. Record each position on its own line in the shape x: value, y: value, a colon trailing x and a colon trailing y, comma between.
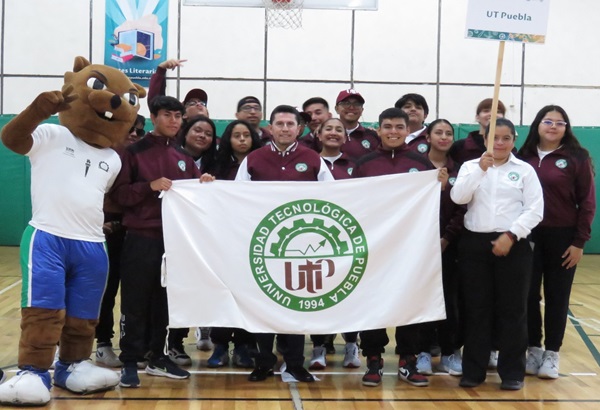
x: 508, y: 20
x: 304, y: 257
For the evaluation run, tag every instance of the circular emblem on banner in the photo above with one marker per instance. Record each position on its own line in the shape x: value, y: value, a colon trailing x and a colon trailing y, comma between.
x: 422, y: 148
x: 561, y: 163
x: 181, y: 165
x: 301, y: 167
x: 513, y: 176
x: 413, y: 170
x: 308, y: 255
x: 451, y: 180
x: 366, y: 144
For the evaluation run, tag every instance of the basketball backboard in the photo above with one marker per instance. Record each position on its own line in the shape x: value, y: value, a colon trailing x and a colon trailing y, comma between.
x: 308, y: 4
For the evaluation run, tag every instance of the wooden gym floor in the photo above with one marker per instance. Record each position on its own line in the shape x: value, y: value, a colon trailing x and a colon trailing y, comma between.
x: 339, y: 388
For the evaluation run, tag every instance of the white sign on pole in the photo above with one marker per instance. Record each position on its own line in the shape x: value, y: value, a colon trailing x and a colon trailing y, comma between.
x: 523, y: 21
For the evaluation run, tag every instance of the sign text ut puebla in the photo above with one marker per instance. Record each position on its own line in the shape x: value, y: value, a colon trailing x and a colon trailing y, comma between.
x: 523, y: 21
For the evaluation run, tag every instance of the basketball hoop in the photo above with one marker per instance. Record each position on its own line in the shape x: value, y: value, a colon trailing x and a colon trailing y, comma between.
x: 284, y: 13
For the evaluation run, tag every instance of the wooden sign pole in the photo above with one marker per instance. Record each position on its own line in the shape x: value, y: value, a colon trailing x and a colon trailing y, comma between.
x: 492, y: 133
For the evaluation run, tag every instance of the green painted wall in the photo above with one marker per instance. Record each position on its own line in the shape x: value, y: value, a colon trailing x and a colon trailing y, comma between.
x: 15, y: 205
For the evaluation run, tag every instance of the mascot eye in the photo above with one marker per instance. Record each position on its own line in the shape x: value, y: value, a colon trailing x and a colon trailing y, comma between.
x: 96, y: 84
x: 131, y: 98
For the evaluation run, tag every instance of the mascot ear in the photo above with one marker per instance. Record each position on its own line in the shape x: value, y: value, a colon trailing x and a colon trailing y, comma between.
x: 141, y: 90
x: 80, y: 63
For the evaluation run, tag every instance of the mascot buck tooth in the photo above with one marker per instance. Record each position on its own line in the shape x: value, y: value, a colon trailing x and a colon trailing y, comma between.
x: 63, y: 259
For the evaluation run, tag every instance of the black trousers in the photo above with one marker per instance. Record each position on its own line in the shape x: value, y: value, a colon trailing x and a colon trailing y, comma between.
x: 319, y: 340
x: 293, y: 355
x: 106, y: 321
x: 495, y: 292
x: 550, y: 244
x: 144, y: 310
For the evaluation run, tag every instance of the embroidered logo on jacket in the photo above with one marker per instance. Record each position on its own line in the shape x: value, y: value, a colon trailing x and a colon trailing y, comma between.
x: 366, y: 144
x: 181, y: 165
x: 561, y: 163
x: 301, y: 167
x: 422, y: 148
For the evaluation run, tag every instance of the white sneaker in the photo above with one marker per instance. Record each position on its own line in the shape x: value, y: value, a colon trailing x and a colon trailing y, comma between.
x: 351, y: 359
x: 451, y: 364
x: 203, y: 341
x: 318, y: 362
x: 549, y: 367
x: 493, y: 362
x: 107, y: 356
x: 534, y: 360
x: 424, y: 363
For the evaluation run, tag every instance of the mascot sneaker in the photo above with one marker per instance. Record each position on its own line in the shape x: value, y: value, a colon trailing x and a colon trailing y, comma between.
x: 30, y: 387
x: 83, y: 377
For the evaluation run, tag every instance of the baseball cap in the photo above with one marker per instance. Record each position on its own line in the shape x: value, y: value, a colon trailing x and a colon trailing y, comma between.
x: 197, y: 93
x: 349, y: 93
x: 246, y: 100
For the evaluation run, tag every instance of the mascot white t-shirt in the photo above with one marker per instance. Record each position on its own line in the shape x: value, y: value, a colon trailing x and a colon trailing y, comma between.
x: 68, y: 181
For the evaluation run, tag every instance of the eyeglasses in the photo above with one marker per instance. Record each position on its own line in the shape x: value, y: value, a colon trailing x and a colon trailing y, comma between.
x: 558, y: 124
x: 248, y: 108
x: 138, y: 131
x: 348, y: 104
x: 193, y: 103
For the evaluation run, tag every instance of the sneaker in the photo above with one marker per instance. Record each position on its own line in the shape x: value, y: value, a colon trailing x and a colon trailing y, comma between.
x: 374, y: 372
x: 407, y: 371
x: 451, y: 364
x: 203, y: 341
x: 534, y: 360
x: 242, y: 357
x: 106, y: 355
x: 317, y: 361
x: 493, y: 362
x: 164, y: 367
x: 549, y: 367
x: 179, y: 356
x: 220, y: 356
x: 351, y: 359
x: 129, y: 376
x: 424, y: 363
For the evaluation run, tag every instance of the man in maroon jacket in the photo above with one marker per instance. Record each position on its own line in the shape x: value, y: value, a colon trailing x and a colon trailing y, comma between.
x: 149, y: 167
x: 282, y: 160
x: 393, y: 156
x: 417, y: 109
x: 350, y: 106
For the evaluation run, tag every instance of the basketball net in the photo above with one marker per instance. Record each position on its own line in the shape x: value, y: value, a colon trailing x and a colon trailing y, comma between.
x: 284, y: 13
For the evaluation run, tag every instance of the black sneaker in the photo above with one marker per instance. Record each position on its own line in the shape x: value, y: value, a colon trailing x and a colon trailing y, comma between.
x: 328, y: 345
x: 407, y: 371
x: 164, y: 367
x: 374, y: 371
x: 129, y: 375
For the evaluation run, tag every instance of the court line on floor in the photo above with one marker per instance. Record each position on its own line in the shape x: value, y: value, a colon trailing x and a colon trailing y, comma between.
x: 9, y: 287
x: 588, y: 342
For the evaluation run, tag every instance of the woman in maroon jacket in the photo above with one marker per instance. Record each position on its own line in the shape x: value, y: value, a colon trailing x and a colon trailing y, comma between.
x: 567, y: 177
x: 238, y: 140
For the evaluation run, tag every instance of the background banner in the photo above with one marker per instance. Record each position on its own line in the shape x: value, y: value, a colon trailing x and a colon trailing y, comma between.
x: 136, y: 37
x: 304, y: 257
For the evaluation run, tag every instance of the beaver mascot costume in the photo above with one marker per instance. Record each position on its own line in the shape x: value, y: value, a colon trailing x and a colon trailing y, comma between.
x: 64, y: 262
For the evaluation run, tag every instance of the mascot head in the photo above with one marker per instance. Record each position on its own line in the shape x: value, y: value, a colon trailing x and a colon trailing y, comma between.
x: 106, y: 106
